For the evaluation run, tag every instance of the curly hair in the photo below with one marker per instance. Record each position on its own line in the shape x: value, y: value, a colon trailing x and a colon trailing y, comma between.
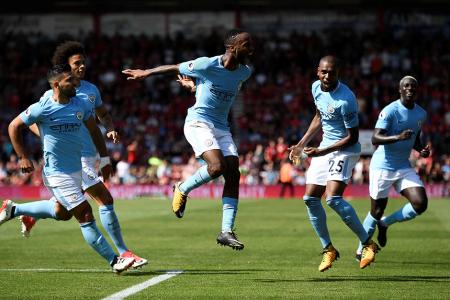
x: 66, y: 50
x: 230, y: 36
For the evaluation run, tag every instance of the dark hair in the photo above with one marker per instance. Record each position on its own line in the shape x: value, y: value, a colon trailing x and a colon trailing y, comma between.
x: 57, y: 70
x: 231, y: 35
x: 66, y: 50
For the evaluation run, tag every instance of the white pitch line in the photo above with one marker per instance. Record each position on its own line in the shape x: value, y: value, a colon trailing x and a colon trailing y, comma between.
x: 142, y: 286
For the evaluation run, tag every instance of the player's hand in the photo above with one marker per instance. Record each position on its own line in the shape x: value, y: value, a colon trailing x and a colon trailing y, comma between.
x: 425, y: 152
x: 312, y: 151
x: 186, y: 82
x: 106, y: 172
x: 26, y: 165
x: 405, y: 135
x: 295, y: 154
x: 135, y: 74
x: 114, y: 136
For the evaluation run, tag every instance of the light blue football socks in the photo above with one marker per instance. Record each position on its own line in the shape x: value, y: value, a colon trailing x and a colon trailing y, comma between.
x: 96, y: 240
x: 369, y: 225
x: 201, y: 176
x: 111, y: 224
x: 348, y: 215
x: 318, y: 219
x: 229, y: 206
x: 405, y: 213
x: 37, y: 209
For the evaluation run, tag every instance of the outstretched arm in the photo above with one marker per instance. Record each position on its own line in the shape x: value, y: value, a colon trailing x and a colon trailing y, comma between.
x: 99, y: 142
x: 106, y: 119
x: 379, y: 136
x: 139, y: 74
x: 15, y: 134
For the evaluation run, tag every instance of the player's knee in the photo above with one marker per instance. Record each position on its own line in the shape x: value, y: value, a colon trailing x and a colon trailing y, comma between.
x: 62, y: 214
x: 216, y: 169
x: 377, y: 212
x: 420, y: 207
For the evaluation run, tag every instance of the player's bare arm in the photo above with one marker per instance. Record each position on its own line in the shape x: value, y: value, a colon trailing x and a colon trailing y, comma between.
x: 15, y: 133
x: 106, y: 119
x: 351, y: 139
x: 139, y: 74
x: 99, y: 142
x: 379, y: 136
x: 424, y: 150
x: 313, y: 129
x: 35, y: 130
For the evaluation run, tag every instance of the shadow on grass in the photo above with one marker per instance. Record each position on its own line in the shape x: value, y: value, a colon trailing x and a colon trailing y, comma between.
x: 223, y: 272
x: 400, y: 278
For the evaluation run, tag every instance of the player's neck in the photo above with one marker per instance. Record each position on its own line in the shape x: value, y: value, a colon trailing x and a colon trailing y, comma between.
x: 409, y: 104
x: 229, y: 62
x: 60, y: 98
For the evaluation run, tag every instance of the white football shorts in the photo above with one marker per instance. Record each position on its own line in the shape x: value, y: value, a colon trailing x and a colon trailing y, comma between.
x: 337, y: 165
x: 203, y: 136
x: 89, y: 173
x: 380, y: 181
x: 66, y: 188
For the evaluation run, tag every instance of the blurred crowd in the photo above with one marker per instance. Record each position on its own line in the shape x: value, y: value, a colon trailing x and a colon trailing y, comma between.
x: 272, y: 112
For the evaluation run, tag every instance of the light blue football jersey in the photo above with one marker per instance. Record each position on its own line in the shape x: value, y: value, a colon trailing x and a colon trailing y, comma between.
x: 338, y: 111
x: 89, y: 93
x: 60, y: 130
x: 217, y: 89
x: 395, y: 118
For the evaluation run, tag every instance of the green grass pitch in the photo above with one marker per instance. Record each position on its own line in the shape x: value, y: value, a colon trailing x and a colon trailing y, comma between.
x: 279, y: 261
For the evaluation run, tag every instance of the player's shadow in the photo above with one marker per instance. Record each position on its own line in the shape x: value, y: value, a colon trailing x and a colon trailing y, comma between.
x: 392, y: 278
x: 223, y: 272
x: 440, y: 264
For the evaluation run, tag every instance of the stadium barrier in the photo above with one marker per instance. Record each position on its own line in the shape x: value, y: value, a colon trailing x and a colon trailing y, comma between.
x: 206, y: 191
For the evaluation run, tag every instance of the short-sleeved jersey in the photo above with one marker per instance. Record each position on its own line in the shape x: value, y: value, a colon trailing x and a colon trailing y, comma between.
x: 396, y: 118
x: 89, y: 93
x: 216, y: 91
x: 338, y: 111
x: 60, y: 130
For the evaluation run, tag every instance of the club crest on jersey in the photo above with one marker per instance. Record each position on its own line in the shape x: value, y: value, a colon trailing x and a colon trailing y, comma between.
x: 91, y: 98
x: 330, y: 109
x: 419, y: 123
x: 79, y: 115
x: 27, y: 112
x: 382, y: 115
x: 208, y: 143
x: 191, y: 66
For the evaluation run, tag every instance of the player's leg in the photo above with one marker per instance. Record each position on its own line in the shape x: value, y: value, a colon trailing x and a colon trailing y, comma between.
x: 380, y: 182
x: 95, y: 188
x: 341, y: 164
x: 230, y: 201
x: 67, y: 190
x: 411, y: 187
x: 315, y: 187
x: 200, y: 136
